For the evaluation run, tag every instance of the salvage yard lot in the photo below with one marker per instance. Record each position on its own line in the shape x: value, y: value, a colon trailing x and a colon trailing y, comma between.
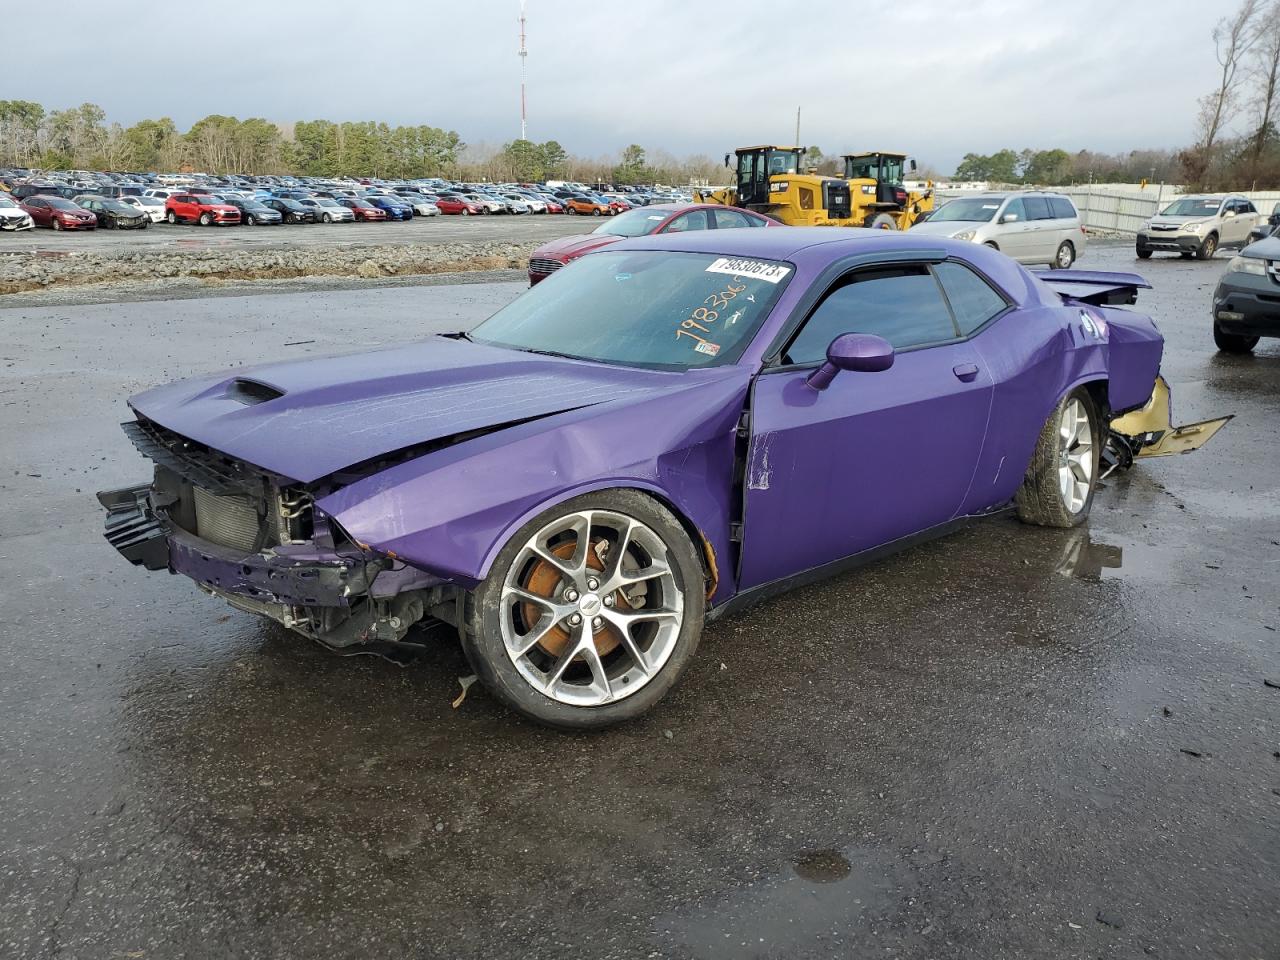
x: 1012, y: 742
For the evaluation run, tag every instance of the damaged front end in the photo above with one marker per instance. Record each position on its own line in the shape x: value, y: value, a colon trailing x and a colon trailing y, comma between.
x: 1149, y: 432
x: 258, y: 541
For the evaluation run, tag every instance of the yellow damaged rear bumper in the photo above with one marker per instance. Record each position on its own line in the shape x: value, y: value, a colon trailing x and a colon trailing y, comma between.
x: 1149, y: 431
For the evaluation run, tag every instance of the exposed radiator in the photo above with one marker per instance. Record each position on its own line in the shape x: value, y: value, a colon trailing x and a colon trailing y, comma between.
x: 227, y: 521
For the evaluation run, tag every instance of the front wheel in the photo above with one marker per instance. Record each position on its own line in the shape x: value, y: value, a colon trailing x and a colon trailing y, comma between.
x: 1233, y: 342
x: 1207, y: 248
x: 1143, y: 253
x: 590, y: 613
x: 250, y: 220
x: 171, y: 217
x: 1065, y: 257
x: 327, y: 218
x: 205, y: 219
x: 881, y: 221
x: 595, y: 212
x: 57, y: 224
x: 1057, y: 490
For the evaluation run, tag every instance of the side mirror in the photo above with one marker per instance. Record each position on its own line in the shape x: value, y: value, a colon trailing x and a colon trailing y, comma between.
x: 852, y: 351
x: 727, y: 156
x: 1009, y: 218
x: 1228, y: 213
x: 913, y: 164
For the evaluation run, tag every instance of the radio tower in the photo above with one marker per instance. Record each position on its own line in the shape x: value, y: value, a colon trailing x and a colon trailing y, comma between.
x: 524, y: 119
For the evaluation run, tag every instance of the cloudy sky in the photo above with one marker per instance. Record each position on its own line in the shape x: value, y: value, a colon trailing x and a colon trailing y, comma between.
x: 690, y: 76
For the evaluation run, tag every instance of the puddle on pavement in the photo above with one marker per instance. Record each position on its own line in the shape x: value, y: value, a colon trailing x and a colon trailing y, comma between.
x: 819, y: 896
x: 1084, y: 559
x: 822, y: 866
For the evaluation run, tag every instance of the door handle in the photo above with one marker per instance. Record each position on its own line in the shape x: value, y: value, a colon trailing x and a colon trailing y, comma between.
x: 965, y: 371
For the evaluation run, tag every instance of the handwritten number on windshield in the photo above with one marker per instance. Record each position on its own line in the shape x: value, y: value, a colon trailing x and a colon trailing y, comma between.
x: 703, y: 315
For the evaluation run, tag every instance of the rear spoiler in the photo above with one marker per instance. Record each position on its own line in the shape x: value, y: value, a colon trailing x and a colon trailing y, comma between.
x: 1101, y: 288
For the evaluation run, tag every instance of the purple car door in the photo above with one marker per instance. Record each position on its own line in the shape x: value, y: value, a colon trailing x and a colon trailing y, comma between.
x: 875, y: 456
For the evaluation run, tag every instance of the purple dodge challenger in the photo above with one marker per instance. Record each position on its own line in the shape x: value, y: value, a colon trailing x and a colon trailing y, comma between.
x: 657, y: 434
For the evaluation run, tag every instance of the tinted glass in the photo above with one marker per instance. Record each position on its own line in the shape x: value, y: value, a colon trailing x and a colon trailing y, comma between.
x: 972, y: 299
x: 1062, y: 208
x: 1016, y: 208
x: 693, y: 220
x: 904, y: 305
x: 728, y: 219
x: 1037, y: 208
x: 642, y: 308
x: 633, y: 223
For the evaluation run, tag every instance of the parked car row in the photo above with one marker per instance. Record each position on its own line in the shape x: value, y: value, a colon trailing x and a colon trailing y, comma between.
x: 270, y: 200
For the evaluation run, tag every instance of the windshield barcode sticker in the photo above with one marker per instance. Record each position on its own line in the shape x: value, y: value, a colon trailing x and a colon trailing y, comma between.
x: 755, y: 269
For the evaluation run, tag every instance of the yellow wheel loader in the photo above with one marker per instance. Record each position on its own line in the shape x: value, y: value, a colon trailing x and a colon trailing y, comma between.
x: 877, y: 194
x: 772, y: 180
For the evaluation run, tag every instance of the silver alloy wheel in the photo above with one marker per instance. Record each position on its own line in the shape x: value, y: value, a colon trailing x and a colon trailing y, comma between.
x: 590, y: 608
x: 1075, y: 455
x: 1064, y: 256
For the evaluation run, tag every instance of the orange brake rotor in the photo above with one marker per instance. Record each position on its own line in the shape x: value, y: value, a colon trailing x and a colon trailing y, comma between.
x: 544, y: 579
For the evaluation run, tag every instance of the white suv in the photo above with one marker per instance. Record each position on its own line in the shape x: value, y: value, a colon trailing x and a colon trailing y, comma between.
x: 1030, y: 227
x: 1196, y: 226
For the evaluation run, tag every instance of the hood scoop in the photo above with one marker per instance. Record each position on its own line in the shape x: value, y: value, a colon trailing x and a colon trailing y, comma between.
x: 252, y: 392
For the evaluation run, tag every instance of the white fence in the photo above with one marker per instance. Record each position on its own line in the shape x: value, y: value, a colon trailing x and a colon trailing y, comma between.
x: 1121, y: 209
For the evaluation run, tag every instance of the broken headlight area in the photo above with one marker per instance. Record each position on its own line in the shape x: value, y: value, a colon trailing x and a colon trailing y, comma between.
x: 258, y: 541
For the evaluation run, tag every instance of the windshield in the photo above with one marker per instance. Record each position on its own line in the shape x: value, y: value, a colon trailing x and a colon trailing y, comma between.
x: 115, y: 206
x: 782, y: 161
x: 60, y: 203
x: 6, y: 202
x: 970, y: 209
x: 642, y: 308
x: 633, y: 223
x: 1192, y: 207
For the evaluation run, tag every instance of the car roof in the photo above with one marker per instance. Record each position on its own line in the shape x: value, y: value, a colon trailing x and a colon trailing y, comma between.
x: 780, y: 244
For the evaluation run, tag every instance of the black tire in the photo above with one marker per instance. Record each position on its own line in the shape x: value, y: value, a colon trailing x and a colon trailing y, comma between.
x: 485, y: 650
x: 1143, y: 253
x: 205, y: 219
x: 327, y: 218
x: 1208, y: 247
x: 466, y: 212
x: 991, y: 244
x: 571, y: 211
x: 1064, y: 257
x: 1233, y: 342
x: 1039, y: 500
x: 880, y: 221
x: 249, y: 220
x: 171, y: 217
x: 57, y: 224
x: 1186, y: 254
x: 595, y: 212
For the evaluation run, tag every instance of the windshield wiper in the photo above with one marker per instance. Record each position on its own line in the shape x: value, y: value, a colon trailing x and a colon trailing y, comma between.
x: 550, y: 353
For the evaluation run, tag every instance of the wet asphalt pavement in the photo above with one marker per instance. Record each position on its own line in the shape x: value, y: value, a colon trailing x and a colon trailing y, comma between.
x: 1014, y: 742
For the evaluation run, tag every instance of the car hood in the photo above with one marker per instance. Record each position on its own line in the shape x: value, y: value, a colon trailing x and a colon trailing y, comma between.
x: 569, y: 247
x: 307, y: 419
x: 948, y: 228
x: 12, y: 213
x: 1177, y: 221
x: 1267, y: 248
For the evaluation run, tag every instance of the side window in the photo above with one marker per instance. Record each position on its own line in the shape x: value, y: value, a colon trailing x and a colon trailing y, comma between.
x: 1037, y: 208
x: 693, y: 220
x: 755, y: 221
x: 972, y: 299
x: 902, y: 304
x: 1062, y: 208
x: 728, y: 219
x: 1247, y: 207
x: 1015, y: 209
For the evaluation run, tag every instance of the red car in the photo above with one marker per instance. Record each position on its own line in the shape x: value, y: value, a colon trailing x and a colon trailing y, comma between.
x: 202, y: 209
x: 59, y: 213
x: 641, y: 222
x: 458, y: 205
x: 363, y: 209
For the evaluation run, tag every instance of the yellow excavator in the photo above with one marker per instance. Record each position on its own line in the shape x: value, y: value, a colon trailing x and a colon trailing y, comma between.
x: 772, y: 180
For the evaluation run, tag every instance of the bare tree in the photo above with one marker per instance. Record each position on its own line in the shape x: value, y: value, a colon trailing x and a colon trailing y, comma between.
x: 1265, y: 78
x: 1232, y: 37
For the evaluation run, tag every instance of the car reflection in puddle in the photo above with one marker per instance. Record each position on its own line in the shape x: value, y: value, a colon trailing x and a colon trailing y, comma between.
x: 823, y: 897
x: 1084, y: 559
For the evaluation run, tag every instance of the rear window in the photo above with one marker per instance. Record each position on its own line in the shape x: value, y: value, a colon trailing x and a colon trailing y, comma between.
x: 972, y: 299
x: 1037, y: 208
x: 1063, y: 209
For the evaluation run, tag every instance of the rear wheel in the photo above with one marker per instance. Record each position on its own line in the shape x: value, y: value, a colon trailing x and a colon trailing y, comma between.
x: 1207, y: 248
x: 1233, y: 342
x: 590, y: 613
x: 1065, y: 257
x: 1057, y: 490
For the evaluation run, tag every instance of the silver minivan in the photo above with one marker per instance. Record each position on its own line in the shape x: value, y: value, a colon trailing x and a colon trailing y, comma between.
x: 1030, y: 227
